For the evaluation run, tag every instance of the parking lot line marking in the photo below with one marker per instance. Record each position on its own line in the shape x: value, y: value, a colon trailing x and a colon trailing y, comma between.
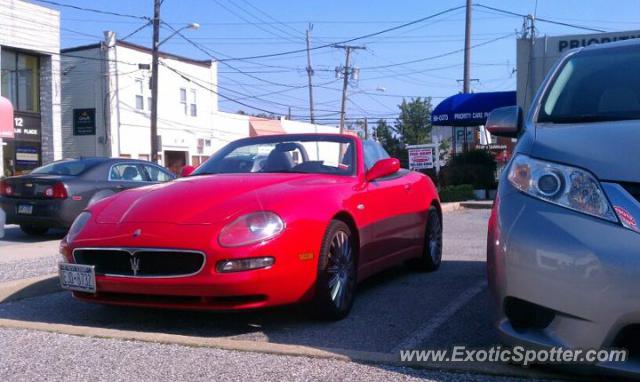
x: 426, y: 331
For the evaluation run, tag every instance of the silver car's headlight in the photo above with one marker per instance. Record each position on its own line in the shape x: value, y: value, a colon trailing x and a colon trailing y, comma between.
x: 77, y: 226
x: 565, y: 186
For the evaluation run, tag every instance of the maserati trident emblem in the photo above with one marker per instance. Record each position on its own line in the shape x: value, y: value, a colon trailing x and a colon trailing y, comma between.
x: 137, y: 232
x: 135, y: 264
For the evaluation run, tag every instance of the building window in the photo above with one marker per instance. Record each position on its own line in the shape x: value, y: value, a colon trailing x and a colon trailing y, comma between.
x: 183, y: 100
x: 139, y: 94
x: 20, y: 78
x: 149, y: 103
x: 193, y: 106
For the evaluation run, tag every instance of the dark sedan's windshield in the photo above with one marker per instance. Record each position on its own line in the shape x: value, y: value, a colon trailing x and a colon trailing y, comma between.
x: 595, y: 86
x: 284, y: 154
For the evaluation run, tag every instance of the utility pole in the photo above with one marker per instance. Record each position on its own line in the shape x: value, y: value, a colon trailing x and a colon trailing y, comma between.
x: 346, y: 73
x: 366, y: 128
x: 154, y: 81
x: 467, y: 50
x: 466, y: 79
x: 310, y: 74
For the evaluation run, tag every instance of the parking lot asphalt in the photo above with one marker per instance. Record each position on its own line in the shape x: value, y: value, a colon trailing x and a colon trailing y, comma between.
x: 23, y: 256
x: 397, y: 310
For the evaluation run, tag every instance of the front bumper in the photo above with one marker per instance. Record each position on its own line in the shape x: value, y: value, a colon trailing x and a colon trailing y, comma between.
x: 50, y: 213
x: 586, y: 270
x: 290, y: 280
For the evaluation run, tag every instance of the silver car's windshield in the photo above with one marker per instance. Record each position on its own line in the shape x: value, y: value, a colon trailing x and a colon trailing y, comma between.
x: 593, y: 86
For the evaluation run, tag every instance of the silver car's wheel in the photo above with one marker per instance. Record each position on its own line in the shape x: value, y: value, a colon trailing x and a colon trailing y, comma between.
x: 335, y: 286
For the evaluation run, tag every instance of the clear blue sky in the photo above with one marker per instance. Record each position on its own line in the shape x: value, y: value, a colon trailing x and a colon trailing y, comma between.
x: 241, y: 28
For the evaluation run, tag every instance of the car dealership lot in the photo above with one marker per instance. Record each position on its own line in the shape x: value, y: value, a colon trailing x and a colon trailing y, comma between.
x: 398, y: 309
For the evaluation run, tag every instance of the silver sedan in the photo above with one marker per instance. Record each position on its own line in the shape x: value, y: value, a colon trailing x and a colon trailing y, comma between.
x: 563, y: 251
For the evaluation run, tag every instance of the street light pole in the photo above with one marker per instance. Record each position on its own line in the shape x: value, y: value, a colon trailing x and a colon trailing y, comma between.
x: 154, y: 81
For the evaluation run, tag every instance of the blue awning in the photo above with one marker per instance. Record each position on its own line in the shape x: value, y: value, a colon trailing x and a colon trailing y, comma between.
x: 470, y: 109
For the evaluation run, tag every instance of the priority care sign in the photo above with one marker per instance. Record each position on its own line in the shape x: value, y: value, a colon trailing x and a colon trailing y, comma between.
x: 561, y: 44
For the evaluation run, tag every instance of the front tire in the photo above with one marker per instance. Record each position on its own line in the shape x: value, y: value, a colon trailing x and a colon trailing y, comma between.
x: 33, y: 230
x: 336, y: 280
x: 432, y: 249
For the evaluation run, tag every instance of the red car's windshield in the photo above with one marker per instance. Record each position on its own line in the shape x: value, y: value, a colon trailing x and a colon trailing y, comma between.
x: 295, y: 154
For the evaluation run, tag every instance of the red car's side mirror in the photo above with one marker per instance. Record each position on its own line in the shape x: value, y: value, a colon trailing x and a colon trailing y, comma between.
x: 382, y: 168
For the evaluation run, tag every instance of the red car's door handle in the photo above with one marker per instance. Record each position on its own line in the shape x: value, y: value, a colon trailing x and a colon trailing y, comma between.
x: 407, y: 187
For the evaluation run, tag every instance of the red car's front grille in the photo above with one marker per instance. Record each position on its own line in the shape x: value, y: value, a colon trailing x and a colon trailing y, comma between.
x: 141, y: 262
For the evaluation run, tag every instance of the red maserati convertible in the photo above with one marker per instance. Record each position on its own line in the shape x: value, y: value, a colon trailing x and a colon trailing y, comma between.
x: 265, y: 221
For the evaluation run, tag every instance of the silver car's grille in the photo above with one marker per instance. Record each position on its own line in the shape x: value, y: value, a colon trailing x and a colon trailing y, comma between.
x: 141, y: 262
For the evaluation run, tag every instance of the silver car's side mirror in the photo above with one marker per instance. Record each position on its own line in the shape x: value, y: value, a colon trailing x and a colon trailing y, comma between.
x: 505, y: 121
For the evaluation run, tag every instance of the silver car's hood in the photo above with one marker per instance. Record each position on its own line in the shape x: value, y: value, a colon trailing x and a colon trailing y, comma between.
x: 610, y: 150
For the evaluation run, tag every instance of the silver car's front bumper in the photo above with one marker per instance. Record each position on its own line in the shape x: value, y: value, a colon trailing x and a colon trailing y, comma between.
x: 585, y: 270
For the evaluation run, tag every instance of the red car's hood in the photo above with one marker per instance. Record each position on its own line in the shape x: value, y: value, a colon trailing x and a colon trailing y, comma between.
x: 205, y: 199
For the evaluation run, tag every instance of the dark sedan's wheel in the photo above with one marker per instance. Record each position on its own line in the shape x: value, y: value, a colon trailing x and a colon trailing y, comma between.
x: 432, y: 252
x: 33, y: 230
x: 336, y: 282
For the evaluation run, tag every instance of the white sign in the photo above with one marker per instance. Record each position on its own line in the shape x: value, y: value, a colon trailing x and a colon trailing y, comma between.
x: 420, y: 158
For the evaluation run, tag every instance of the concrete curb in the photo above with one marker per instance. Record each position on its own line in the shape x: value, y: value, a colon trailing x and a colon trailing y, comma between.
x: 31, y: 287
x: 373, y: 358
x: 450, y: 207
x: 477, y: 205
x: 471, y: 204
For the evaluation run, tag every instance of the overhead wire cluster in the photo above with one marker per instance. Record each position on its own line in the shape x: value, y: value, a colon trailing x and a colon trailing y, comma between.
x: 260, y: 67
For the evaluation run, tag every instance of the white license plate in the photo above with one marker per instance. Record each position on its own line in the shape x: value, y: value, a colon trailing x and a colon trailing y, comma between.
x: 25, y: 209
x: 77, y: 277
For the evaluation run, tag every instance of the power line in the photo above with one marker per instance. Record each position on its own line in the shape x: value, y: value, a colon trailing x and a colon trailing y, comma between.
x: 241, y: 17
x: 349, y: 40
x: 187, y: 77
x: 507, y: 12
x: 440, y: 55
x: 208, y: 51
x: 99, y: 11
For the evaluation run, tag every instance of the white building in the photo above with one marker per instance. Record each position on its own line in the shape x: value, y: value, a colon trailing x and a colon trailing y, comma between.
x: 30, y: 79
x: 106, y: 106
x: 106, y: 103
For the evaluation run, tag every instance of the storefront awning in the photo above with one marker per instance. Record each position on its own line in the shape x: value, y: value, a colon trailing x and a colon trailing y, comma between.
x: 470, y: 109
x: 261, y: 126
x: 6, y: 119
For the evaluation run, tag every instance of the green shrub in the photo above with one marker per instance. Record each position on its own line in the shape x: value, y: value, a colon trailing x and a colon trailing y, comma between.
x: 475, y: 167
x: 456, y: 193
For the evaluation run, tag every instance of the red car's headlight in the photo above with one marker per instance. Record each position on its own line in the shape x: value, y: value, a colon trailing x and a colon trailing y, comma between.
x: 251, y: 228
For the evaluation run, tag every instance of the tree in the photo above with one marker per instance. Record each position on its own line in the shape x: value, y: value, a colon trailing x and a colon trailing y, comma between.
x: 385, y: 134
x: 413, y: 125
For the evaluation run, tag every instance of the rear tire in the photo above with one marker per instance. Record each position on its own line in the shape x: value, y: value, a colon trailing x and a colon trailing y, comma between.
x: 336, y: 280
x: 33, y: 230
x: 432, y: 249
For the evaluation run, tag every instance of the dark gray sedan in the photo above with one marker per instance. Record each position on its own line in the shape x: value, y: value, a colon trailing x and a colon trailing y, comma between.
x: 53, y: 195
